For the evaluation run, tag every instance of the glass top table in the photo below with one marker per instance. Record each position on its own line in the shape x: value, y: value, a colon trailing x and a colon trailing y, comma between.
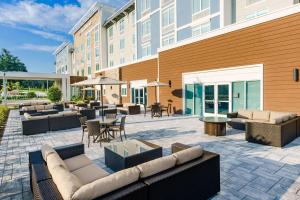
x: 129, y: 153
x: 130, y: 147
x: 215, y: 119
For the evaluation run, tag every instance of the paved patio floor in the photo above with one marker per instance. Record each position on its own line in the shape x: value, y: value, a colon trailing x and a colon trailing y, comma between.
x: 248, y: 171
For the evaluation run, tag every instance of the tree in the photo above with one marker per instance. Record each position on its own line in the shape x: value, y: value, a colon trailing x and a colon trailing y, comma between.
x: 54, y: 94
x: 9, y: 62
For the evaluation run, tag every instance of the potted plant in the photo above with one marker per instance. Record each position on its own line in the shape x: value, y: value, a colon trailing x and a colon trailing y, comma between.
x: 54, y: 95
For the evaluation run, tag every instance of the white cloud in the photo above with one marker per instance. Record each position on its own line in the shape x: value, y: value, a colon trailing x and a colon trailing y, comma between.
x: 35, y: 47
x: 54, y: 18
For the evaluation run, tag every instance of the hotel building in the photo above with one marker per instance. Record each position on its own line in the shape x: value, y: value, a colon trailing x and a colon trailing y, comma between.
x: 64, y: 58
x: 217, y: 56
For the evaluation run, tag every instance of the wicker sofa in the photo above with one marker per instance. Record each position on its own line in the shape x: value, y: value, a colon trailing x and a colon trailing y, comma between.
x: 184, y: 175
x: 41, y: 109
x: 129, y: 109
x: 266, y: 127
x: 41, y: 124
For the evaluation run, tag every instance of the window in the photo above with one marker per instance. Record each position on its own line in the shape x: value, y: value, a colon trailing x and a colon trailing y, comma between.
x: 89, y: 56
x: 97, y: 52
x: 111, y: 63
x: 110, y: 32
x: 82, y: 72
x: 77, y: 72
x: 122, y: 43
x: 201, y: 29
x: 122, y: 60
x: 200, y: 5
x: 111, y: 48
x: 168, y: 16
x: 257, y: 14
x: 146, y: 50
x: 146, y: 27
x: 167, y: 40
x: 88, y: 40
x: 89, y: 70
x: 96, y: 35
x: 97, y: 67
x: 121, y: 25
x: 145, y: 5
x: 249, y: 2
x: 133, y: 18
x: 124, y: 90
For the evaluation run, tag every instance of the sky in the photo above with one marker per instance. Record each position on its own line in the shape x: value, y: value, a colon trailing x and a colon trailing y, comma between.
x: 33, y: 29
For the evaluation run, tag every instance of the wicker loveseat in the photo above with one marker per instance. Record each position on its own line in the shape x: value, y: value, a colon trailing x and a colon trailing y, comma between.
x: 266, y: 127
x: 41, y: 124
x: 69, y: 174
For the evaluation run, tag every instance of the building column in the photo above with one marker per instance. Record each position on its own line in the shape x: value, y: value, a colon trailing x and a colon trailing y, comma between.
x: 64, y: 88
x: 68, y: 89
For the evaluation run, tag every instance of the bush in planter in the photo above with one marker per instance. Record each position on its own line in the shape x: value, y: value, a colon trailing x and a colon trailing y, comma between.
x: 3, y: 116
x: 31, y: 95
x: 54, y: 94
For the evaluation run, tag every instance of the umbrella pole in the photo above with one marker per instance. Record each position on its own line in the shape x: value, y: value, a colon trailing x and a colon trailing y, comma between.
x: 155, y: 94
x: 102, y: 101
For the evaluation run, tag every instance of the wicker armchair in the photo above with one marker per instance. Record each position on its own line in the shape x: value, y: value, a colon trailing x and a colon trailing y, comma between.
x: 119, y: 128
x: 96, y: 131
x: 83, y: 121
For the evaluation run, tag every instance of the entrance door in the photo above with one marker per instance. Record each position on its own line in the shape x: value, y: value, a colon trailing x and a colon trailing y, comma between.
x: 216, y: 99
x: 223, y: 99
x: 138, y: 96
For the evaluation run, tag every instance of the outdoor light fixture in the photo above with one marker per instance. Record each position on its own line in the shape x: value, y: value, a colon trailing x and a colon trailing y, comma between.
x: 170, y: 83
x: 296, y: 74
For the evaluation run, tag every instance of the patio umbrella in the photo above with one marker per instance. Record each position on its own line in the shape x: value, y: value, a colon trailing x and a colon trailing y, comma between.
x: 156, y: 84
x: 100, y: 81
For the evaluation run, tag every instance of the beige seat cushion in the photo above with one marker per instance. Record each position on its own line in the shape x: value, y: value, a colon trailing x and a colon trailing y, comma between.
x: 246, y: 114
x: 70, y: 113
x: 77, y: 162
x: 66, y: 182
x: 240, y: 120
x: 48, y: 107
x: 27, y: 116
x: 155, y: 166
x: 53, y: 160
x: 107, y: 184
x: 188, y: 154
x: 46, y: 150
x: 261, y: 115
x: 90, y: 173
x: 39, y: 107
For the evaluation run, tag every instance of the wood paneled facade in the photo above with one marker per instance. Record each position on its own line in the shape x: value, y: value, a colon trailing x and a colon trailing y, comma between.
x: 275, y: 44
x: 140, y: 71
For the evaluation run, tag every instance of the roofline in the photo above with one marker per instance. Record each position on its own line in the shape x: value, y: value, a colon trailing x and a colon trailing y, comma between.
x: 91, y: 11
x: 61, y: 47
x: 118, y: 12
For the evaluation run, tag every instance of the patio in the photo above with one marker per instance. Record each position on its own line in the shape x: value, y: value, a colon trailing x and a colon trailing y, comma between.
x: 248, y: 171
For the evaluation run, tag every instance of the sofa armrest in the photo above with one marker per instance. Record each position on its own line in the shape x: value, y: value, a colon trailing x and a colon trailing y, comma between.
x: 232, y: 115
x: 69, y: 151
x: 179, y: 147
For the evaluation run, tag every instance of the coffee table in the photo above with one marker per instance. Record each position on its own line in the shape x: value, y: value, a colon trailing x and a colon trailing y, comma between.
x: 215, y: 126
x: 129, y: 153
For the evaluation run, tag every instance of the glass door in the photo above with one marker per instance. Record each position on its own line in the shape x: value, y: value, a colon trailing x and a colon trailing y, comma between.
x: 138, y: 95
x: 223, y: 99
x: 209, y: 99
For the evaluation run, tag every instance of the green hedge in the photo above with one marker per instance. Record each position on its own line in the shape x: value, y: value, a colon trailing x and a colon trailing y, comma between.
x: 4, y: 110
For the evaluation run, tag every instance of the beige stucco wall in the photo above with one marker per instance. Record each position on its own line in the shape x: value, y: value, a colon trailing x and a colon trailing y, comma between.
x: 129, y: 35
x: 80, y: 38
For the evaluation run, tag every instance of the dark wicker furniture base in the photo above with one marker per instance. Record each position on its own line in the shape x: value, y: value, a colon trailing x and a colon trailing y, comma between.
x: 117, y: 162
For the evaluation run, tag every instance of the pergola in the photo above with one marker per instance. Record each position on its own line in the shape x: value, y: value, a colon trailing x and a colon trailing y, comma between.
x: 62, y: 80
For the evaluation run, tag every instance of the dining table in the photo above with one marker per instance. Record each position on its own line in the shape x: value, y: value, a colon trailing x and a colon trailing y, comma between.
x: 105, y: 123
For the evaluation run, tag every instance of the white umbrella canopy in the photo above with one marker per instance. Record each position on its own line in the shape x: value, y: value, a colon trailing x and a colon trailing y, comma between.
x: 156, y: 84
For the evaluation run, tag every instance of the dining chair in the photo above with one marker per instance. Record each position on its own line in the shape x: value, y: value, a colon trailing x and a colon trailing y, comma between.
x: 83, y: 125
x: 155, y: 110
x: 167, y: 109
x: 119, y: 128
x: 96, y: 131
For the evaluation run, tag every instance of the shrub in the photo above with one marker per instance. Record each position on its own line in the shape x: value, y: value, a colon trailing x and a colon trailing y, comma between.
x: 54, y: 94
x: 3, y: 115
x: 76, y: 98
x: 31, y: 95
